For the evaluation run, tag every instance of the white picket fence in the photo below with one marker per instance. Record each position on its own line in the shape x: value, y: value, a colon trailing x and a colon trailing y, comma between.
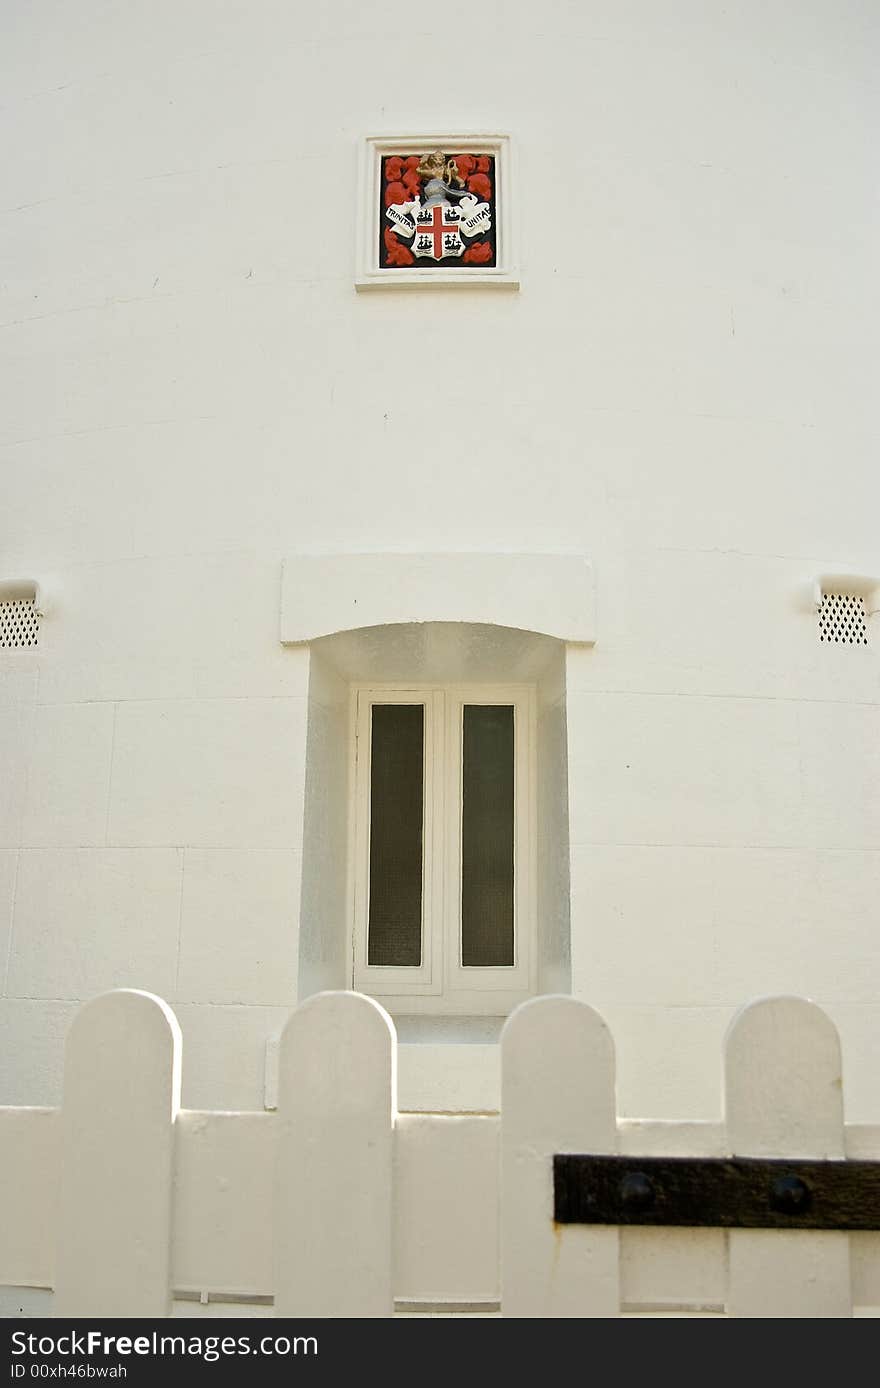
x: 123, y: 1201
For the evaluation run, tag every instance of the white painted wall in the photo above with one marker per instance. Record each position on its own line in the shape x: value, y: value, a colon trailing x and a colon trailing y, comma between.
x: 324, y: 951
x: 553, y: 856
x: 679, y: 391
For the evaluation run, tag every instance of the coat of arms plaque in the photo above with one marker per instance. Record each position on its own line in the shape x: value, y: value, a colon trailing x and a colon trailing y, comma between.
x: 437, y: 211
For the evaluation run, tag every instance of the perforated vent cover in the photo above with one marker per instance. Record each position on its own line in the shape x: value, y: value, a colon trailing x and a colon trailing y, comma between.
x: 19, y: 623
x: 842, y: 619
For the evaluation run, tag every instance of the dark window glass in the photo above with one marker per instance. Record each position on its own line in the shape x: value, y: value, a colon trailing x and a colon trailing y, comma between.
x: 396, y: 821
x: 487, y: 836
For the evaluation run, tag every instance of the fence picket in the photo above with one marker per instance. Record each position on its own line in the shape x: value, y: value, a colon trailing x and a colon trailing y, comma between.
x: 558, y: 1095
x: 121, y: 1096
x: 336, y: 1105
x: 328, y: 1213
x: 784, y: 1098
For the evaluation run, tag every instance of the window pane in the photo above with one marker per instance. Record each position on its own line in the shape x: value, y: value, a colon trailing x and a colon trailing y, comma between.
x: 396, y: 818
x: 487, y: 836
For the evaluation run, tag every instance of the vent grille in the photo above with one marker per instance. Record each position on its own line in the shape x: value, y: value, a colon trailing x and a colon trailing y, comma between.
x: 19, y: 622
x: 842, y: 619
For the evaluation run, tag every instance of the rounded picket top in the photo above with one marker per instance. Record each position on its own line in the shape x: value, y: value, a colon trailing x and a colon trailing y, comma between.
x: 557, y: 1095
x: 333, y: 1199
x: 783, y: 1086
x: 344, y: 1005
x: 783, y: 1098
x: 558, y: 1067
x: 120, y: 1099
x: 120, y: 1039
x: 337, y: 1038
x: 550, y: 1010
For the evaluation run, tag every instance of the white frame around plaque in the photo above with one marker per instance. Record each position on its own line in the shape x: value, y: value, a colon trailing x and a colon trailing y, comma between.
x: 368, y: 275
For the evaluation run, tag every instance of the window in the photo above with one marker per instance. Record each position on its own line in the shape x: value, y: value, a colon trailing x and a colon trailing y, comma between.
x: 443, y: 847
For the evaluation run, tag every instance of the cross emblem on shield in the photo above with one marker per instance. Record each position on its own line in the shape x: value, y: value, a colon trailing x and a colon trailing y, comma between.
x: 437, y: 232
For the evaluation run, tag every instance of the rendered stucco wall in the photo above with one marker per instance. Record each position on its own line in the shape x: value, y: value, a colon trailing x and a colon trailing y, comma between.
x: 553, y: 849
x: 682, y: 391
x: 324, y: 960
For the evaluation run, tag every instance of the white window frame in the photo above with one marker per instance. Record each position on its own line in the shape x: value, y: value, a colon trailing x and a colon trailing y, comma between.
x: 442, y: 984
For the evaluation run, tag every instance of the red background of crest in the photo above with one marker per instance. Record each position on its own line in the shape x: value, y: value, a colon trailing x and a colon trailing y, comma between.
x: 401, y: 183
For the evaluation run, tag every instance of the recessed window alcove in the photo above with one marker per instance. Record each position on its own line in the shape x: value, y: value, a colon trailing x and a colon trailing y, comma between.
x: 460, y: 680
x: 409, y: 663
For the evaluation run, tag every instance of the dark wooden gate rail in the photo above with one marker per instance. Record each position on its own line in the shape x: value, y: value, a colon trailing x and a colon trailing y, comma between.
x: 716, y: 1192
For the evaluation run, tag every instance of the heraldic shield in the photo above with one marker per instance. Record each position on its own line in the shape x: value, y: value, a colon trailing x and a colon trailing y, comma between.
x: 437, y: 210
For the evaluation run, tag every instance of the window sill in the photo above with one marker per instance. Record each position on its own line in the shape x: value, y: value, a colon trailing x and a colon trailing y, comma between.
x: 449, y: 1077
x: 415, y: 1030
x: 452, y: 1008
